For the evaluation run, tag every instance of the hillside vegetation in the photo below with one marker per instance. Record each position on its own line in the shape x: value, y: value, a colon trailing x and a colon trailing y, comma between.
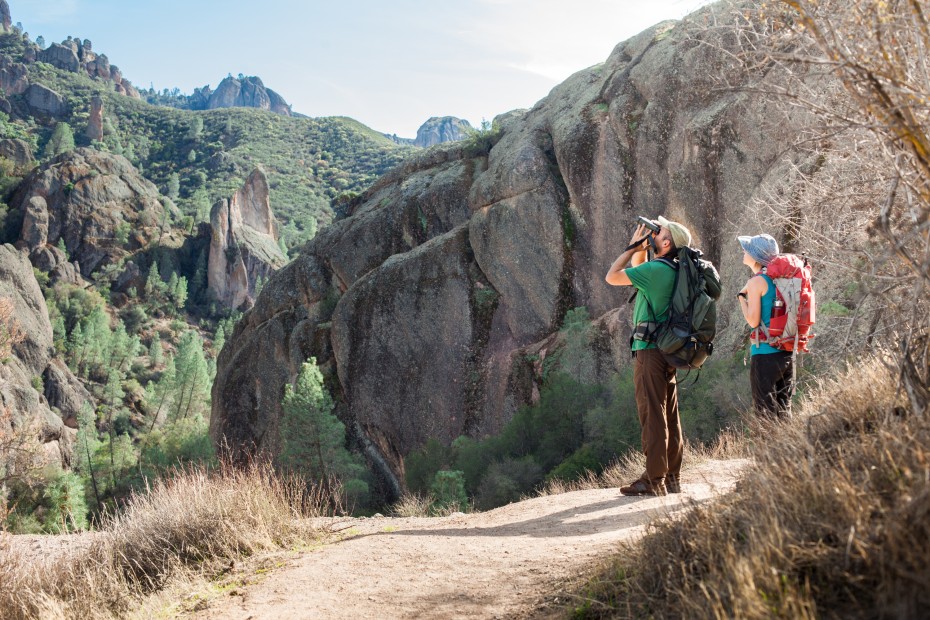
x: 310, y: 162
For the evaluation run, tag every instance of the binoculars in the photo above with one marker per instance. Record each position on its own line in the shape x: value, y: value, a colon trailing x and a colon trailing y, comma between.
x: 650, y: 224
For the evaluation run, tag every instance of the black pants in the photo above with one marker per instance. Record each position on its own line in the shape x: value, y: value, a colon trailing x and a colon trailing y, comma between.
x: 770, y: 376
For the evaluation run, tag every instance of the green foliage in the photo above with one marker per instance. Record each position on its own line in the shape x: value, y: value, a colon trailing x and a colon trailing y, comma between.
x: 422, y: 466
x: 181, y: 441
x: 312, y: 437
x: 61, y: 141
x: 192, y: 380
x: 448, y: 489
x: 479, y: 142
x: 506, y: 480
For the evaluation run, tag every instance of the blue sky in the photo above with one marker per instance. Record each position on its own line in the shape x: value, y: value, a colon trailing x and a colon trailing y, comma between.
x: 390, y: 65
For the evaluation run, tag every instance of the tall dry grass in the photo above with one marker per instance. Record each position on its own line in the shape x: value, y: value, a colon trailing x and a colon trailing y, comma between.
x: 729, y: 444
x: 196, y: 524
x: 832, y: 521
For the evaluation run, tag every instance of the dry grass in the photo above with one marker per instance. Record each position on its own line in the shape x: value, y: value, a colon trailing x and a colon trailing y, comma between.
x: 833, y: 520
x: 193, y: 526
x: 728, y: 445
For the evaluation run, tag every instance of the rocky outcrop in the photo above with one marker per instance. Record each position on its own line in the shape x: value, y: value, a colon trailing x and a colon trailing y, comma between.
x: 22, y: 375
x: 44, y: 101
x: 441, y: 129
x: 95, y: 119
x: 6, y: 21
x: 432, y: 303
x: 247, y: 92
x: 13, y: 76
x: 75, y: 56
x: 96, y: 202
x: 243, y: 245
x: 18, y: 152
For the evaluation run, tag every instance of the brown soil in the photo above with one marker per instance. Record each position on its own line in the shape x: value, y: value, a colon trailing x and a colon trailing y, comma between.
x: 509, y: 562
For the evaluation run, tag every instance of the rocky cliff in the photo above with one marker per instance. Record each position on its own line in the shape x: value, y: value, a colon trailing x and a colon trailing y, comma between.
x: 36, y: 387
x: 439, y: 129
x: 243, y: 243
x: 434, y: 304
x: 95, y: 202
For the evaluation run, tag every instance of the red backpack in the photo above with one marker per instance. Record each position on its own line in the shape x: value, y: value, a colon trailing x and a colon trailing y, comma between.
x: 793, y: 313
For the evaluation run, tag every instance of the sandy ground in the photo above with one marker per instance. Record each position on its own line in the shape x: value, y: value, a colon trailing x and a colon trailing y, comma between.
x: 505, y: 563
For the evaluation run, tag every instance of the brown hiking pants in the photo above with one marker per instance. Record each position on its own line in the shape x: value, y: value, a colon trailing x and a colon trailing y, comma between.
x: 657, y: 402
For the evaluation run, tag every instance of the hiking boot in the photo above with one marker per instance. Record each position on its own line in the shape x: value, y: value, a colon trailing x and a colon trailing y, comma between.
x: 673, y: 483
x: 644, y: 487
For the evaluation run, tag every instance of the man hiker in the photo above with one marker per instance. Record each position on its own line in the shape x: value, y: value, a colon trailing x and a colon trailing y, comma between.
x: 654, y: 378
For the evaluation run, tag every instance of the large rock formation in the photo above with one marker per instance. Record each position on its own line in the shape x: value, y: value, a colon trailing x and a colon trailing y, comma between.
x: 76, y: 56
x: 96, y: 202
x: 432, y: 305
x: 33, y: 365
x: 243, y: 244
x: 247, y: 92
x: 6, y: 21
x: 439, y: 129
x: 13, y: 76
x: 44, y: 101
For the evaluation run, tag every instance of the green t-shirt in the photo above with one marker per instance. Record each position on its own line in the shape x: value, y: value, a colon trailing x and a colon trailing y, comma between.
x: 654, y: 280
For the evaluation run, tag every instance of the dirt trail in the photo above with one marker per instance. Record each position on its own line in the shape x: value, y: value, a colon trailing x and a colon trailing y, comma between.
x: 498, y: 564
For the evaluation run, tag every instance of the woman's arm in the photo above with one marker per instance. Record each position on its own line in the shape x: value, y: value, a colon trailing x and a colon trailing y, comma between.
x: 750, y: 300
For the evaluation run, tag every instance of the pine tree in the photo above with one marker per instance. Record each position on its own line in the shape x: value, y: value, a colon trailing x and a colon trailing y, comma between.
x: 156, y: 353
x: 153, y: 282
x: 62, y: 141
x: 312, y: 437
x: 219, y: 340
x: 86, y: 446
x: 174, y: 186
x: 192, y: 382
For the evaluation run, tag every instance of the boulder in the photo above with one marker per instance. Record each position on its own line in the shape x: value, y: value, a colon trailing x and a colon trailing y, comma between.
x: 44, y: 101
x: 63, y: 55
x: 18, y: 152
x: 243, y: 246
x: 34, y: 234
x: 13, y: 76
x: 97, y: 202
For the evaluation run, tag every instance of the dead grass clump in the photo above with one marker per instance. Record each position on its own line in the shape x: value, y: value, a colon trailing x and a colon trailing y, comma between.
x: 834, y: 519
x: 413, y: 505
x: 197, y: 522
x: 729, y: 444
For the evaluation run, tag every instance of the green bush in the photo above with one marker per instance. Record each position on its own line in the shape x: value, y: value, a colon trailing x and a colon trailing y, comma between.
x: 448, y: 489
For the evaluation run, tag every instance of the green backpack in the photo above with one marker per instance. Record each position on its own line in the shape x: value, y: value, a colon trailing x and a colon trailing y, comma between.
x: 686, y: 337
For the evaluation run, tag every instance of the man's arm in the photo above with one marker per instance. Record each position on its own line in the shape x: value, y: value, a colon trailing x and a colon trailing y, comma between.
x: 634, y: 257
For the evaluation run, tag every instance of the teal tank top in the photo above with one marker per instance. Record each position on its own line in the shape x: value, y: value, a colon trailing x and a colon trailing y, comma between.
x: 768, y: 300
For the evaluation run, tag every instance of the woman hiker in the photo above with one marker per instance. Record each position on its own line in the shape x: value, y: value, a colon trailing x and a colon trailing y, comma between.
x: 770, y: 371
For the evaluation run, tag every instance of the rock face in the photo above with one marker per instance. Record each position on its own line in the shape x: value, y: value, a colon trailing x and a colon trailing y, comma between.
x: 97, y: 202
x: 44, y: 101
x: 243, y: 244
x: 95, y: 120
x: 441, y: 129
x: 18, y: 152
x: 6, y: 21
x: 248, y: 92
x: 33, y: 363
x: 432, y: 305
x: 13, y: 76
